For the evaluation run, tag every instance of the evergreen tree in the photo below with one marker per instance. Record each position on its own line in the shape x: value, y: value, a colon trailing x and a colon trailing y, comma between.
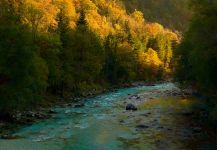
x: 110, y: 65
x: 23, y: 72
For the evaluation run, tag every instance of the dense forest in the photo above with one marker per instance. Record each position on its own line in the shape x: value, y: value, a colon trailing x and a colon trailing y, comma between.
x: 71, y: 47
x: 197, y: 53
x: 130, y: 74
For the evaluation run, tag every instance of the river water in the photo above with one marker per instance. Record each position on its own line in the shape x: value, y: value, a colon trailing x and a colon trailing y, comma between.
x: 104, y: 124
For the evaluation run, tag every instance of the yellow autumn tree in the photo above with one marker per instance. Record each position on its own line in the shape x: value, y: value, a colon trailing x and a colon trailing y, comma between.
x: 136, y: 22
x: 67, y: 8
x: 40, y: 15
x: 153, y: 29
x: 150, y: 58
x: 149, y: 63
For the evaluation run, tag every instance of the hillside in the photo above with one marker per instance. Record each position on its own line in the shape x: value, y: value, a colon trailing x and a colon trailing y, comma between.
x: 76, y: 47
x: 174, y: 14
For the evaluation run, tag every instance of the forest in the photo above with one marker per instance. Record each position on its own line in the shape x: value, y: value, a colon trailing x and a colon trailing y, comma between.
x: 67, y: 48
x: 63, y: 51
x: 196, y: 56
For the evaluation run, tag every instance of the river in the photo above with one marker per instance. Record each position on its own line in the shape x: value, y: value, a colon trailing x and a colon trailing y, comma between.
x: 104, y: 124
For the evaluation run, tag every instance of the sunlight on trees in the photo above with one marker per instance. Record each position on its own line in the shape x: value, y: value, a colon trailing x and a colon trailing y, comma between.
x: 67, y: 47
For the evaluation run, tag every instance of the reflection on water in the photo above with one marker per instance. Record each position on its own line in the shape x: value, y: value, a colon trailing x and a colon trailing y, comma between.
x: 103, y: 124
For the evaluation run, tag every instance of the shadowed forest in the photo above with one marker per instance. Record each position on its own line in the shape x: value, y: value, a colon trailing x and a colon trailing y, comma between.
x: 54, y: 51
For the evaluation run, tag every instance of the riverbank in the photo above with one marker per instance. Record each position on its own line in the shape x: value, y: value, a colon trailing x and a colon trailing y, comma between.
x: 197, y: 115
x: 131, y: 102
x: 44, y: 110
x: 164, y: 119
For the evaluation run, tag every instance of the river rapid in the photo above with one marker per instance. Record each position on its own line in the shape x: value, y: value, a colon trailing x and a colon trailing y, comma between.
x: 104, y: 124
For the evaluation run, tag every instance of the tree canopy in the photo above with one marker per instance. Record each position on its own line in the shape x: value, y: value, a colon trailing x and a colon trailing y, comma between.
x: 69, y: 47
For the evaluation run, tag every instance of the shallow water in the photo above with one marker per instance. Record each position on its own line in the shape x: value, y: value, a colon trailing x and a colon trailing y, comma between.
x: 103, y: 124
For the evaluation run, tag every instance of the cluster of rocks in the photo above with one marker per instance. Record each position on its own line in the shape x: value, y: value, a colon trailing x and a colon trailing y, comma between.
x: 29, y: 117
x: 10, y: 137
x: 132, y: 101
x: 90, y: 93
x: 142, y: 83
x: 23, y: 118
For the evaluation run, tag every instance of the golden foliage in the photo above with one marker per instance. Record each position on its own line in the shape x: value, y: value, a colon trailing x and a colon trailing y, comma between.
x: 68, y: 9
x: 104, y: 17
x: 150, y: 58
x: 40, y: 14
x: 154, y: 29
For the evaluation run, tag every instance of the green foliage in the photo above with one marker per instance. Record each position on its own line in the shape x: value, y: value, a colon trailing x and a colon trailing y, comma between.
x: 197, y: 53
x: 49, y: 49
x: 109, y: 69
x: 23, y: 73
x: 119, y: 61
x: 68, y: 48
x: 82, y: 56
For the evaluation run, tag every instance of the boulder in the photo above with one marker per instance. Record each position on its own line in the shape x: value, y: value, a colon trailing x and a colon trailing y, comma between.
x: 42, y: 116
x: 51, y: 111
x: 131, y: 107
x: 79, y: 105
x: 149, y: 84
x: 197, y: 130
x: 137, y: 97
x: 30, y: 114
x: 70, y: 104
x: 146, y: 114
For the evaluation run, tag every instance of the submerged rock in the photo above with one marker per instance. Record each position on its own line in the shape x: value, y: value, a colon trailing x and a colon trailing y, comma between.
x: 131, y: 107
x: 160, y: 127
x: 146, y: 114
x: 197, y: 129
x: 70, y: 104
x: 149, y: 84
x: 41, y: 116
x: 186, y: 113
x: 79, y: 105
x: 142, y: 126
x: 10, y: 137
x: 137, y: 97
x: 121, y: 121
x: 30, y: 114
x: 139, y: 83
x: 51, y: 111
x: 96, y: 106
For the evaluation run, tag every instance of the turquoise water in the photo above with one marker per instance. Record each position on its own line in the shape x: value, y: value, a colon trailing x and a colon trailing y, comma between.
x: 103, y: 124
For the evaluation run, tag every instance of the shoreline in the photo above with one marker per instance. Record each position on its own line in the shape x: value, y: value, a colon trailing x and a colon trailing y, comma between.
x: 29, y: 117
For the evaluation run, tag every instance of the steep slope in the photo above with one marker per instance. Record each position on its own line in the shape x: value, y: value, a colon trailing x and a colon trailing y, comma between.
x: 75, y: 47
x: 174, y: 14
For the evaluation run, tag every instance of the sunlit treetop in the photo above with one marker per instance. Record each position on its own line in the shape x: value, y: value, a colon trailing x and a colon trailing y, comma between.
x: 40, y: 14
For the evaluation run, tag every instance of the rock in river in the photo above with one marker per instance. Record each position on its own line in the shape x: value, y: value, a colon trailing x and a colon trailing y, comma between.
x: 131, y: 107
x: 142, y: 126
x: 79, y: 105
x: 9, y: 137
